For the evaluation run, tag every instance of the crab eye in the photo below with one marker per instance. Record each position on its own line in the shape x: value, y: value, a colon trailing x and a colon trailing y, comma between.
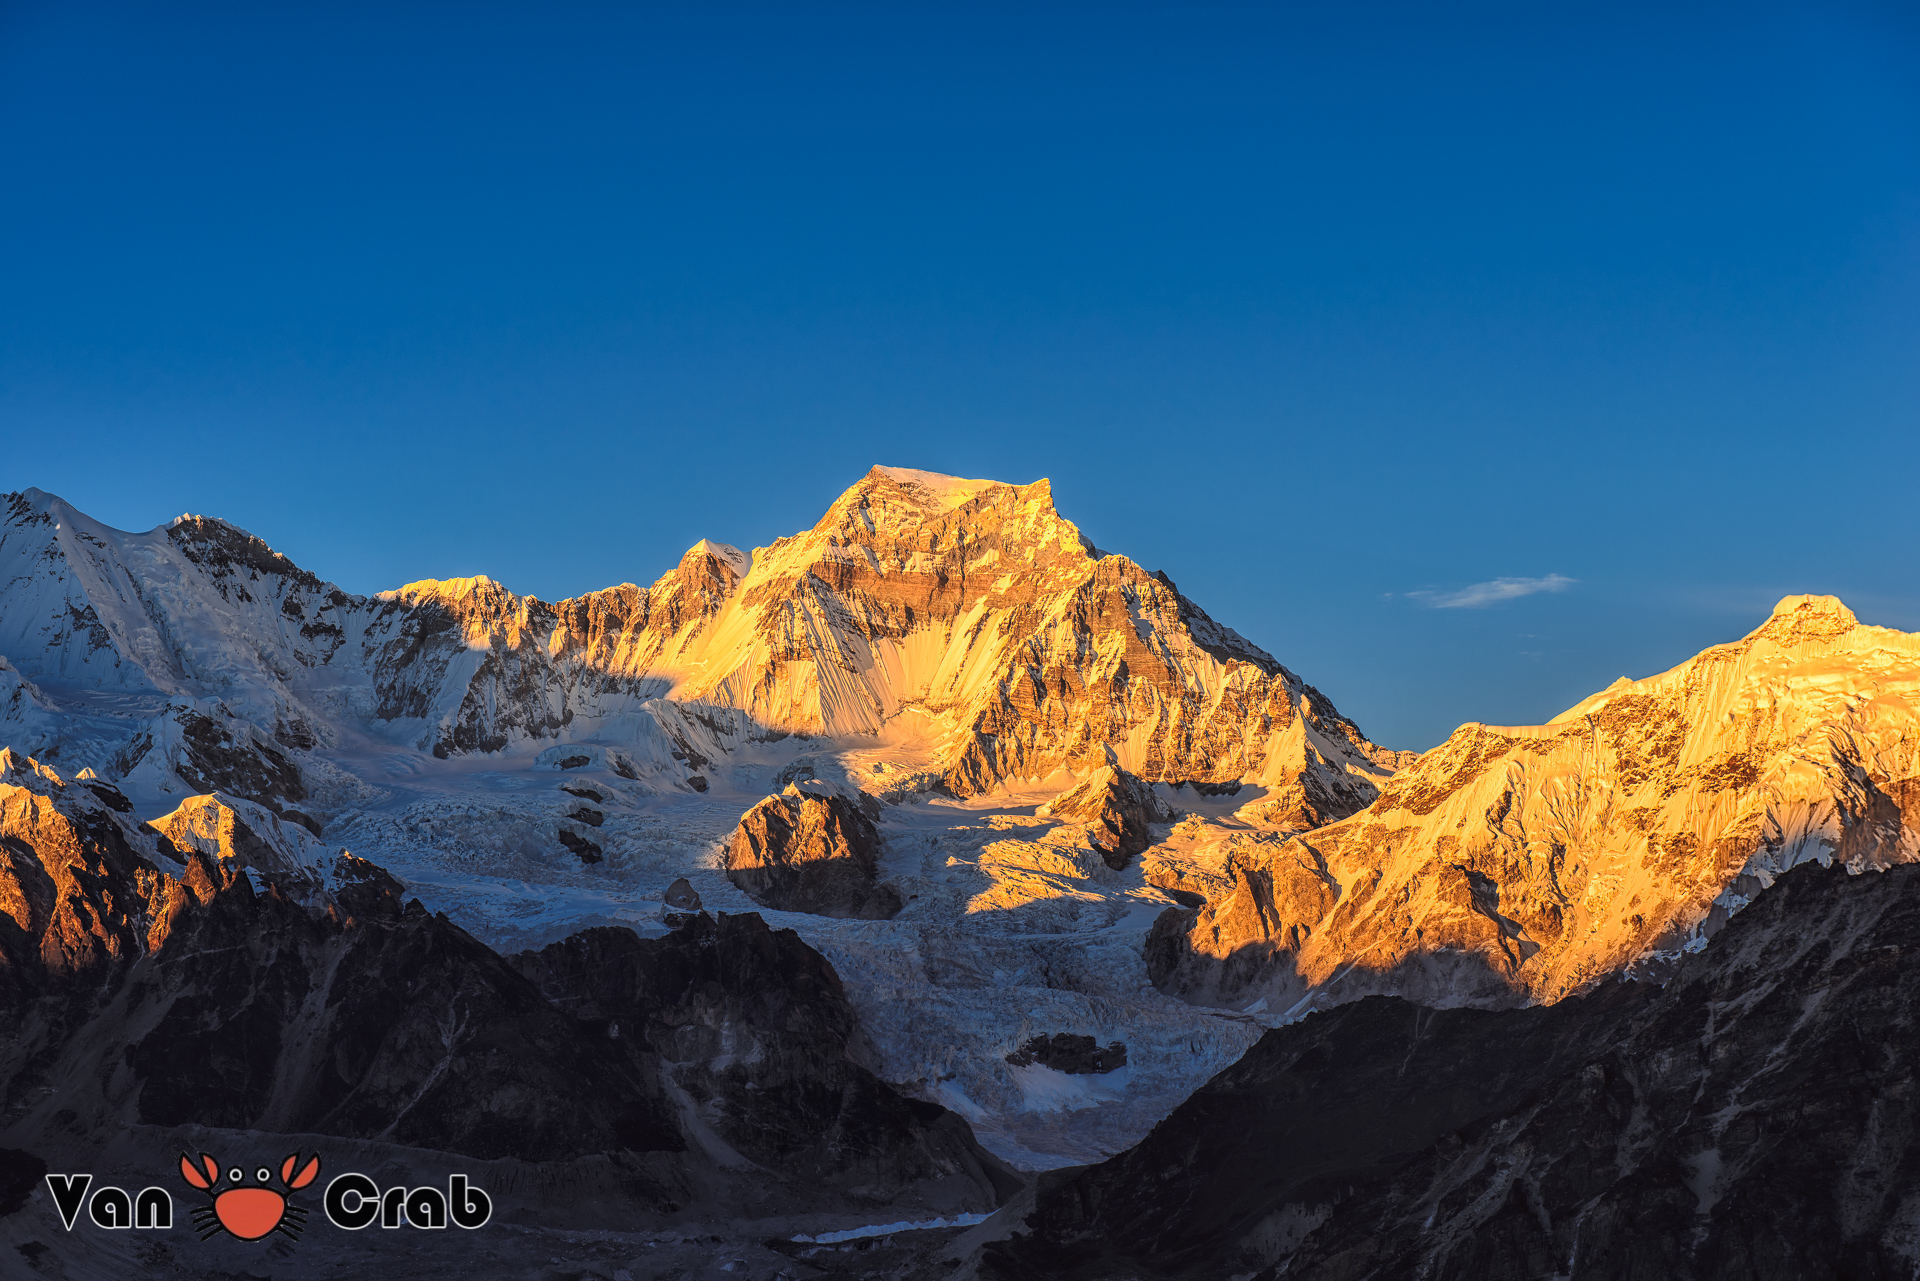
x: 263, y: 1174
x: 234, y: 1175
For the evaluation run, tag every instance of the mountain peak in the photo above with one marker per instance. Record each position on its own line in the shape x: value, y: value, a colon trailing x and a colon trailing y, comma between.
x: 192, y: 524
x: 1808, y: 618
x: 37, y: 506
x: 451, y: 589
x: 22, y: 770
x: 725, y: 553
x: 972, y: 603
x: 904, y: 503
x: 932, y: 489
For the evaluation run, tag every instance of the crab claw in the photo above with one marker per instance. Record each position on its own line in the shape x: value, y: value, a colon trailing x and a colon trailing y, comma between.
x: 212, y: 1167
x: 191, y: 1173
x: 308, y: 1173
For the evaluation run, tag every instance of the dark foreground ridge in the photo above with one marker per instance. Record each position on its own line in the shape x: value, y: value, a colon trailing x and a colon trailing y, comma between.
x: 173, y: 1001
x: 1754, y: 1118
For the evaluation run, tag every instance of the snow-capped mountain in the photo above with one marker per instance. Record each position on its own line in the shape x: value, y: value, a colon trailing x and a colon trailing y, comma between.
x: 950, y: 654
x: 1054, y: 747
x: 964, y: 620
x: 1527, y: 863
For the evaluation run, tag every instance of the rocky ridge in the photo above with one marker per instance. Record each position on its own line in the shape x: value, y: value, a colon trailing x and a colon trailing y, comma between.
x: 1017, y: 709
x: 809, y: 849
x: 1117, y: 809
x: 964, y: 614
x: 1529, y: 863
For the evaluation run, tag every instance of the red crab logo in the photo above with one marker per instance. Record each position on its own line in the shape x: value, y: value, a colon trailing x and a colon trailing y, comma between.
x: 248, y: 1210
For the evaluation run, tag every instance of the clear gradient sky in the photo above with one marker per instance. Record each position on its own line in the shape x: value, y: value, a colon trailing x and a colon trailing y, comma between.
x: 1330, y: 311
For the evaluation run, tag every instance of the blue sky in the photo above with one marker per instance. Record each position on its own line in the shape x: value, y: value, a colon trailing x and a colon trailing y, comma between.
x: 1337, y: 314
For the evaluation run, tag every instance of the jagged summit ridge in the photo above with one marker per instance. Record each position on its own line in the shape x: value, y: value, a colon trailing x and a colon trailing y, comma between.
x: 934, y: 489
x: 532, y: 766
x: 1529, y: 862
x: 967, y: 615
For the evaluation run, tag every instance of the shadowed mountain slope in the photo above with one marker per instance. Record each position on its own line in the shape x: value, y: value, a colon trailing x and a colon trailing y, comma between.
x: 1756, y: 1117
x: 717, y: 1061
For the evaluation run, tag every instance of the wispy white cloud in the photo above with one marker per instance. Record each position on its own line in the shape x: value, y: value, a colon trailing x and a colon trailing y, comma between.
x: 1480, y: 595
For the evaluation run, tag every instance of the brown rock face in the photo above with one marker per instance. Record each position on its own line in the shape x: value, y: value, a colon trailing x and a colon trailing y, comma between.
x: 970, y: 602
x: 804, y: 851
x: 227, y: 989
x: 1528, y: 863
x: 1118, y: 811
x: 1277, y: 896
x: 80, y: 898
x: 978, y: 604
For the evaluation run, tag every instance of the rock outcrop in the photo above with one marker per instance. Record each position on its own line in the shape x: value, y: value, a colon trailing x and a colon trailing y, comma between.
x: 1070, y: 1053
x: 808, y: 849
x: 231, y: 983
x: 1756, y: 1117
x: 248, y: 834
x: 1515, y: 864
x: 1117, y: 809
x: 81, y: 898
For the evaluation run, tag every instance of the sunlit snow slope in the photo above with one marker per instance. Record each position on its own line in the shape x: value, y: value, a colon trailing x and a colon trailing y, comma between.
x: 1516, y: 863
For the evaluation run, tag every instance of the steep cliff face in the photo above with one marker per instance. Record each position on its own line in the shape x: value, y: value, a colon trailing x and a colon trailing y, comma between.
x: 1515, y: 864
x: 80, y: 896
x: 967, y: 615
x: 976, y: 605
x: 1755, y: 1117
